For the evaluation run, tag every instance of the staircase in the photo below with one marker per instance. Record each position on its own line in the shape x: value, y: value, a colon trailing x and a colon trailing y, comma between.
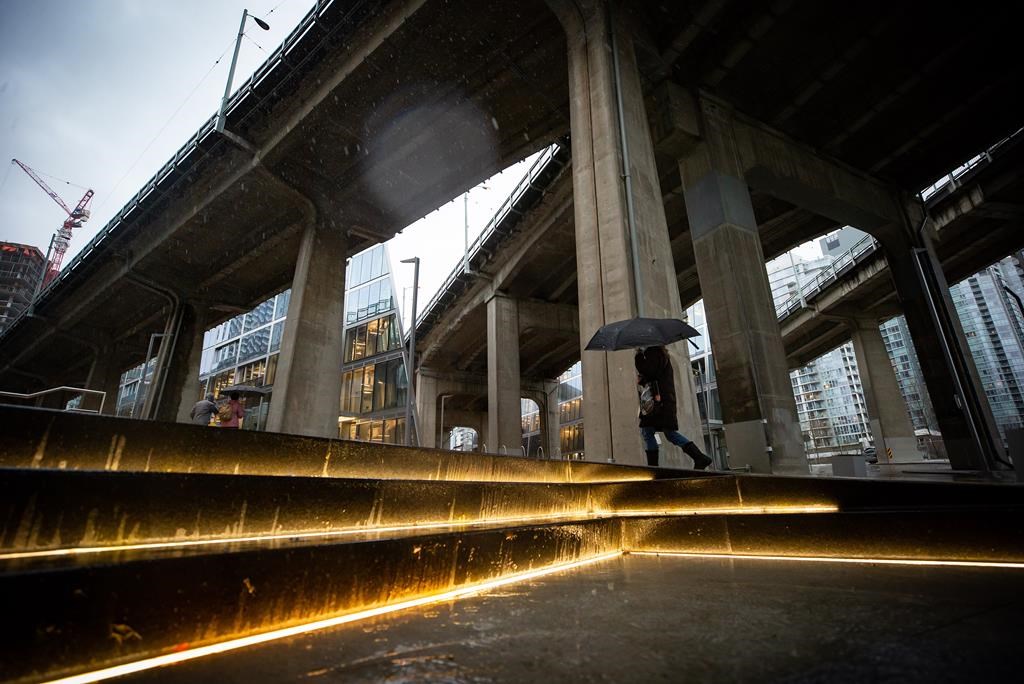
x: 128, y: 545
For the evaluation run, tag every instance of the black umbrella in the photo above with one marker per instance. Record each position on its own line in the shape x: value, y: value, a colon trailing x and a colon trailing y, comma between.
x: 639, y: 332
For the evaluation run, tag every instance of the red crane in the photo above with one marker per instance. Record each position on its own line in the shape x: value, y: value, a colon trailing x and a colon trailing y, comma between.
x: 61, y: 238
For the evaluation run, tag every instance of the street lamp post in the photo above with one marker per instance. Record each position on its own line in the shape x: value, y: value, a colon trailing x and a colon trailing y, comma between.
x: 234, y: 60
x: 411, y: 356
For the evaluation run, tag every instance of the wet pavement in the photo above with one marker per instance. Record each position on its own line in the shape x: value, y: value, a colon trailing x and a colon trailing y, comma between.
x: 645, y: 618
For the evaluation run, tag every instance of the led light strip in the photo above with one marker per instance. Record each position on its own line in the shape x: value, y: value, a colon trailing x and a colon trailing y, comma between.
x: 827, y: 559
x: 349, y: 531
x: 234, y: 644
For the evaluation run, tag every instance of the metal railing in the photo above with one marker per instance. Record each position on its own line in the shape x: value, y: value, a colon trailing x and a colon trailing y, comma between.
x: 864, y: 247
x: 63, y: 388
x: 953, y: 180
x: 526, y: 182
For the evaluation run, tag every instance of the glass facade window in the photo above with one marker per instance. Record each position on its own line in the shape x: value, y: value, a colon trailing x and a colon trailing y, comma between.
x: 259, y: 316
x: 281, y: 307
x: 252, y: 373
x: 254, y: 344
x: 276, y: 333
x: 374, y: 387
x: 368, y: 301
x: 225, y: 356
x: 373, y: 338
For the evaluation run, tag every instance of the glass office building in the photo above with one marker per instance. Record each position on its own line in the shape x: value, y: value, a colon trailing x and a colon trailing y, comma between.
x: 374, y: 384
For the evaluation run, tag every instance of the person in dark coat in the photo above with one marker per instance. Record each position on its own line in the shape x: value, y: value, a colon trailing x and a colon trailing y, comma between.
x: 658, y: 406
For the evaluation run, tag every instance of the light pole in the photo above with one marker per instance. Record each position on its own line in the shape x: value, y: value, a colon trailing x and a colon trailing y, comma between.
x: 234, y: 60
x: 411, y: 356
x: 440, y: 429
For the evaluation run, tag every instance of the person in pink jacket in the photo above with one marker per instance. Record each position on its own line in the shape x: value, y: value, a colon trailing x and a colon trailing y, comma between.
x: 230, y: 415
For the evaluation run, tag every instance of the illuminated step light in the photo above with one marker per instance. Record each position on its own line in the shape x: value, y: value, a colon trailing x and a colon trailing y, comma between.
x: 828, y: 559
x: 235, y: 644
x: 415, y: 527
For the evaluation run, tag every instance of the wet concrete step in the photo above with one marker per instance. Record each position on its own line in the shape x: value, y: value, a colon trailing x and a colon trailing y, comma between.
x: 59, y: 621
x: 35, y: 438
x: 133, y: 605
x: 49, y: 510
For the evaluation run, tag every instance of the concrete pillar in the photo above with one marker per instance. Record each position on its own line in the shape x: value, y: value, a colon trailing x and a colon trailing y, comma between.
x: 965, y: 417
x: 759, y: 411
x: 550, y: 425
x: 890, y: 423
x: 182, y: 374
x: 105, y: 376
x: 504, y: 419
x: 426, y: 407
x: 308, y: 383
x: 607, y: 286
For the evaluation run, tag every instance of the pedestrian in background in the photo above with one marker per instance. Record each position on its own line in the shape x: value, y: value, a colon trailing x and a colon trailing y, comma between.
x: 657, y: 388
x: 231, y: 412
x: 203, y: 411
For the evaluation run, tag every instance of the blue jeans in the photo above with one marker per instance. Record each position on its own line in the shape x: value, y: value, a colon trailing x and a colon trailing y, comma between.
x: 673, y: 436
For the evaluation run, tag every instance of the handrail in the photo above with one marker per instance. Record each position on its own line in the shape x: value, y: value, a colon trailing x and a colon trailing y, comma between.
x: 866, y: 245
x: 62, y: 388
x: 539, y: 165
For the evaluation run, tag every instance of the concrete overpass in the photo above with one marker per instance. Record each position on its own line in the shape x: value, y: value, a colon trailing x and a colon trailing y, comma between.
x: 348, y: 134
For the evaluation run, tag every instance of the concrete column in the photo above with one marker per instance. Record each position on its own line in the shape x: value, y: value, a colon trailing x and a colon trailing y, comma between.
x: 890, y: 423
x: 759, y: 411
x: 426, y: 407
x: 182, y: 375
x: 504, y: 419
x: 965, y: 417
x: 608, y: 289
x: 105, y: 376
x: 308, y: 383
x: 550, y: 424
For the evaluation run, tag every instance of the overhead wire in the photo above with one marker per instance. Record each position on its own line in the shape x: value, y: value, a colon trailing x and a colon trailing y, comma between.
x: 167, y: 123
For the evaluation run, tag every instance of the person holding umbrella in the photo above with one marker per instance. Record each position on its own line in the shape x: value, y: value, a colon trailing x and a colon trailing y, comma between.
x: 657, y: 389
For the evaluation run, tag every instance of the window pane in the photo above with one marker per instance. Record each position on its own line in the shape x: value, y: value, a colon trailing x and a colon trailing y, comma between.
x: 281, y: 309
x: 359, y: 346
x: 379, y: 382
x: 378, y: 258
x: 275, y: 336
x: 271, y: 370
x: 371, y: 338
x: 366, y: 400
x: 254, y: 344
x: 261, y: 315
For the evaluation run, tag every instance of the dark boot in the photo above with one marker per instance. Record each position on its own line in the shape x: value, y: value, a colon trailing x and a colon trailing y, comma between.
x: 700, y: 459
x: 652, y: 458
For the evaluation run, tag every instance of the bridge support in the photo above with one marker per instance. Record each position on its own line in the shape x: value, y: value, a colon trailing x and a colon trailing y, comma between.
x: 546, y: 398
x: 604, y: 215
x: 105, y: 376
x: 759, y: 411
x: 308, y: 383
x: 182, y: 375
x: 965, y: 417
x: 890, y: 423
x: 504, y: 411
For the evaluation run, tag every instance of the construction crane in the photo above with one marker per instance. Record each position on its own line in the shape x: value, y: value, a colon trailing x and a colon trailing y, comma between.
x: 62, y: 238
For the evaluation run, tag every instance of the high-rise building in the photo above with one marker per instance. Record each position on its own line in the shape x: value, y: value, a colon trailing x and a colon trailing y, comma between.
x: 994, y: 326
x: 706, y: 382
x: 570, y: 412
x: 21, y: 268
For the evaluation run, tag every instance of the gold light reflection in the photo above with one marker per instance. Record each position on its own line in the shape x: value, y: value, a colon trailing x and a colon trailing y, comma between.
x: 234, y: 644
x: 450, y: 525
x: 827, y: 559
